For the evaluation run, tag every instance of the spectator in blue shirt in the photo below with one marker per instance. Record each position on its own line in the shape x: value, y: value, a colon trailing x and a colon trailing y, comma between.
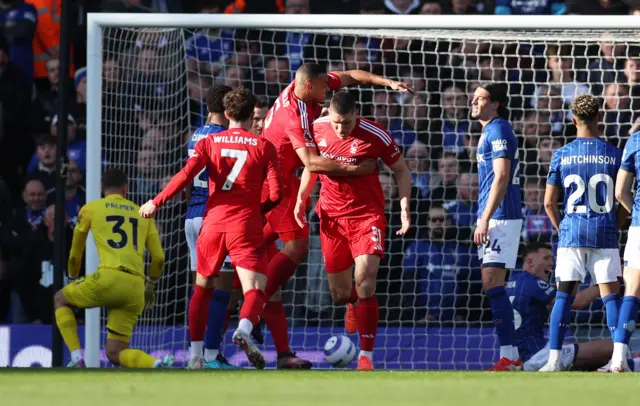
x: 18, y: 25
x: 417, y: 158
x: 76, y: 148
x: 437, y: 266
x: 530, y: 7
x: 455, y: 123
x: 536, y: 225
x: 463, y: 211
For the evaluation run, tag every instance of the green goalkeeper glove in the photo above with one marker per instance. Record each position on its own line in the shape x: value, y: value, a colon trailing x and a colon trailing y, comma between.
x: 150, y: 293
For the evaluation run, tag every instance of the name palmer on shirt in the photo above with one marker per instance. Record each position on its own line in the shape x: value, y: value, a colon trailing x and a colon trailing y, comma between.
x: 588, y: 159
x: 235, y: 139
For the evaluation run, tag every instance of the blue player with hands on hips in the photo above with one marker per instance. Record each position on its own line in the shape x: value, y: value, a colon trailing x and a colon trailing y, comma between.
x: 499, y: 212
x: 583, y: 172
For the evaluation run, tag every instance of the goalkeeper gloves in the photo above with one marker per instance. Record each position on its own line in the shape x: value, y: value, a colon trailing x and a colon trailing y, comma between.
x: 150, y: 293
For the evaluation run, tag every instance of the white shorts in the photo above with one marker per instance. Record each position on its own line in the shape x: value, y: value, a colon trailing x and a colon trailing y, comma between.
x: 192, y: 228
x: 632, y: 250
x: 540, y: 358
x: 501, y: 250
x: 573, y: 264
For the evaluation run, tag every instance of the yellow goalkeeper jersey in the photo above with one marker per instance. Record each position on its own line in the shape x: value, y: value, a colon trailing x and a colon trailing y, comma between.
x: 120, y: 234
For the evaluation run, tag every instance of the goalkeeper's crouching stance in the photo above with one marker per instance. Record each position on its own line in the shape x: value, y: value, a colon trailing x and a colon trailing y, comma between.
x: 118, y: 284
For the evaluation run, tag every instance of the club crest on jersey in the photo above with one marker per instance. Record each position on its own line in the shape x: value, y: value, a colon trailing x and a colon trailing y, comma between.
x: 354, y: 147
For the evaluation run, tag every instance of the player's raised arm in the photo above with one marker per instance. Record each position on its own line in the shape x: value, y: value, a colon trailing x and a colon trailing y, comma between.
x: 274, y: 178
x: 307, y: 181
x: 79, y: 241
x: 361, y: 77
x: 180, y: 180
x: 403, y: 180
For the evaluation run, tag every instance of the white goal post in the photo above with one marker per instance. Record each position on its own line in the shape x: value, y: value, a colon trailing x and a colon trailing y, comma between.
x: 423, y: 27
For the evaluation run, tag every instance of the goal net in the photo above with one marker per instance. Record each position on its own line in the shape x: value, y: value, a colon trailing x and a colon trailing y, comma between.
x: 433, y: 314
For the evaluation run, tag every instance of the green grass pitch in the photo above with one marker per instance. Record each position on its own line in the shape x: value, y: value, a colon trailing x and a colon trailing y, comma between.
x: 300, y: 388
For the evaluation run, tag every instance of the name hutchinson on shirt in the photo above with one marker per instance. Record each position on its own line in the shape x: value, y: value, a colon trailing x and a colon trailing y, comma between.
x: 234, y: 139
x: 588, y: 159
x: 348, y: 160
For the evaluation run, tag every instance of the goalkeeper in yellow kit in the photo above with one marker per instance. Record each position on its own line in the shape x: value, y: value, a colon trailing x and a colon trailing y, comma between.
x: 118, y: 284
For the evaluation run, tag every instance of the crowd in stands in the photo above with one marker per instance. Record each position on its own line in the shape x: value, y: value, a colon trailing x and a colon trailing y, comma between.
x: 154, y: 83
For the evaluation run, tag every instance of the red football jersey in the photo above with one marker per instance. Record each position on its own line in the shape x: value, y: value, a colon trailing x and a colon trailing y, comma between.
x: 238, y: 163
x: 288, y: 127
x: 353, y: 196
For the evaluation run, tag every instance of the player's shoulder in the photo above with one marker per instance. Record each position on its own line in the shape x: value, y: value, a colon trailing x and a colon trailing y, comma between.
x: 374, y: 130
x: 500, y: 126
x: 634, y: 141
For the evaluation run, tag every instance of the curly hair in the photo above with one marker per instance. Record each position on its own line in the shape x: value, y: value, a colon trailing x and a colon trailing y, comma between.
x: 239, y: 104
x: 585, y: 107
x: 214, y: 98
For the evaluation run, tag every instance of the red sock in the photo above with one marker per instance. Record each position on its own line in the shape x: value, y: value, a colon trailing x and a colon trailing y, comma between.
x: 199, y: 312
x: 226, y: 321
x: 280, y: 270
x: 367, y: 314
x: 253, y: 306
x: 276, y: 321
x: 354, y: 295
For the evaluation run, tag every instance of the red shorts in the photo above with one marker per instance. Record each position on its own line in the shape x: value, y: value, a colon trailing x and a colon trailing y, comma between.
x: 246, y: 251
x: 281, y: 218
x: 346, y: 238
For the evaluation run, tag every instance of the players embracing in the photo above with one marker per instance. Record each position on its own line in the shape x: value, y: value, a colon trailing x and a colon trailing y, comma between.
x: 351, y: 212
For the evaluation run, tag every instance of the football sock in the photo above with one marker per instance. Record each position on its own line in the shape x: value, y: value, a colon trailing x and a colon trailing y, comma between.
x: 215, y: 321
x: 502, y: 312
x: 626, y: 320
x: 612, y: 307
x: 68, y: 326
x: 276, y: 321
x: 130, y: 358
x: 281, y: 269
x: 367, y: 313
x: 559, y: 321
x: 368, y: 354
x: 253, y: 306
x: 198, y: 315
x: 353, y: 298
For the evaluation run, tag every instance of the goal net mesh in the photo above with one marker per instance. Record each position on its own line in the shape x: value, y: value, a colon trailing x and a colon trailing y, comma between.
x: 433, y: 314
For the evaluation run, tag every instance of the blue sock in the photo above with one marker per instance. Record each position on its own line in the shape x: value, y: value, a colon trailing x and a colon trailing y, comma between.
x: 612, y: 307
x: 626, y: 319
x: 560, y: 319
x: 502, y: 312
x: 215, y: 322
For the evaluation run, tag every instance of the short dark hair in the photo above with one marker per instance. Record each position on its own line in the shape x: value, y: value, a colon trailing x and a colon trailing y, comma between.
x: 533, y: 247
x: 45, y: 139
x: 261, y: 102
x: 214, y: 98
x: 497, y: 93
x: 585, y: 107
x: 343, y: 103
x: 239, y: 104
x: 114, y: 178
x: 310, y: 71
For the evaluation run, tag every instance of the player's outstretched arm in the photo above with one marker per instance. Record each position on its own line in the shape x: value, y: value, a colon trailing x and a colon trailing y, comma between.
x: 551, y: 196
x: 361, y: 77
x: 319, y: 165
x: 79, y: 241
x: 403, y: 180
x: 501, y: 171
x: 179, y: 181
x: 624, y: 182
x: 307, y: 181
x: 154, y: 246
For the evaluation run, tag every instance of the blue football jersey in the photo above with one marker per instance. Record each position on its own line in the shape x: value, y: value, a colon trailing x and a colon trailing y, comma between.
x: 585, y: 170
x: 499, y: 141
x: 200, y: 185
x: 530, y: 297
x: 631, y: 163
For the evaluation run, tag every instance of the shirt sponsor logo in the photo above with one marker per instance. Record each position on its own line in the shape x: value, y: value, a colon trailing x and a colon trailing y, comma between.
x: 498, y: 145
x: 350, y: 160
